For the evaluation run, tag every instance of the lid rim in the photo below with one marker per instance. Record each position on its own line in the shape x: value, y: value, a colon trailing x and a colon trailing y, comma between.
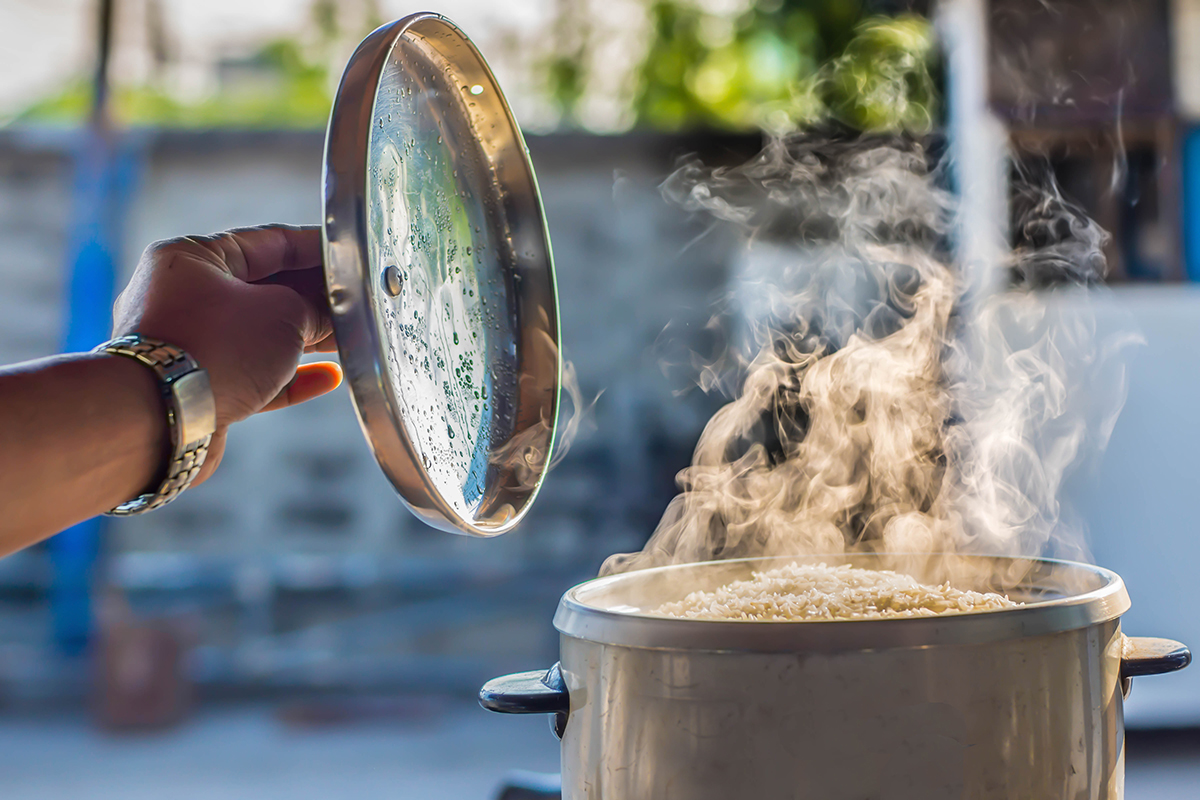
x: 348, y: 272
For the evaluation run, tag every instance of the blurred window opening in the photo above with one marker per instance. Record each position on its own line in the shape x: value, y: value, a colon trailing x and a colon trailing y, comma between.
x: 1089, y: 87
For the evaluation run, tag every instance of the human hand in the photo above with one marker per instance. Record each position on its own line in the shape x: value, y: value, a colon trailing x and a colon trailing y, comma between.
x: 245, y: 304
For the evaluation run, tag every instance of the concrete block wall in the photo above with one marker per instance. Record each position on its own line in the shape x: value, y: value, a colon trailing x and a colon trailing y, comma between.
x: 303, y: 481
x: 35, y: 202
x: 299, y: 509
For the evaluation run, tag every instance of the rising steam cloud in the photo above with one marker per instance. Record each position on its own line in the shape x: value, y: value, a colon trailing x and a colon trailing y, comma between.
x: 873, y: 408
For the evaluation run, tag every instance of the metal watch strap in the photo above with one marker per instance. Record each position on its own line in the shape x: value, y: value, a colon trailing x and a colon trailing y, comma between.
x: 191, y: 415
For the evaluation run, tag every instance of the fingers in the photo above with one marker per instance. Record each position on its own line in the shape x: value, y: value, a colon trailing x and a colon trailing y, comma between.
x: 312, y: 380
x: 254, y: 254
x: 310, y: 285
x: 326, y: 345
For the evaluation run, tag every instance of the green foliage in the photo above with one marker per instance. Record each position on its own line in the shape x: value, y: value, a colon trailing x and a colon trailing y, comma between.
x: 882, y: 81
x: 777, y: 65
x: 785, y: 64
x: 566, y: 84
x: 290, y: 92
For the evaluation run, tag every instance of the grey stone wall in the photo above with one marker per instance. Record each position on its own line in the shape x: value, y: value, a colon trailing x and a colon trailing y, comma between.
x: 35, y: 201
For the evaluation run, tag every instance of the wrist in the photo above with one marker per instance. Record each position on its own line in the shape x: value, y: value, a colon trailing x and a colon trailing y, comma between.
x: 131, y: 391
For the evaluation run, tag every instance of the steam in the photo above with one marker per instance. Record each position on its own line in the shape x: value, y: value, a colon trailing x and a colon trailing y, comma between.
x: 524, y: 455
x: 870, y: 412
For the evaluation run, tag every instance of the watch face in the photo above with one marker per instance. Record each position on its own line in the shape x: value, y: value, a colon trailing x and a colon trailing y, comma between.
x: 440, y: 277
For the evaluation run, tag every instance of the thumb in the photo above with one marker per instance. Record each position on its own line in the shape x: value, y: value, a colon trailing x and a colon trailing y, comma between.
x: 311, y: 380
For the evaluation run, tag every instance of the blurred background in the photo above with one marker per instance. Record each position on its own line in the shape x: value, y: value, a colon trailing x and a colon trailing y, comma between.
x: 289, y: 629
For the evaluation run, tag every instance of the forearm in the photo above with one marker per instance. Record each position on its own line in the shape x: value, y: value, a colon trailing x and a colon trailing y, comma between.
x: 79, y: 435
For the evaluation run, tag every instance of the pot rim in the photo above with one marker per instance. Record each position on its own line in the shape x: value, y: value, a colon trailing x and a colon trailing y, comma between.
x: 631, y: 627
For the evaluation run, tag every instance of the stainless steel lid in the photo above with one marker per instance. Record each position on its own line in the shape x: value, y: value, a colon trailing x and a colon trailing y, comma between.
x: 619, y: 609
x: 440, y: 277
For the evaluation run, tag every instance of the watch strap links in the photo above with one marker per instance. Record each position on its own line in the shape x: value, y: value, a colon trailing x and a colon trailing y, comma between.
x: 191, y: 415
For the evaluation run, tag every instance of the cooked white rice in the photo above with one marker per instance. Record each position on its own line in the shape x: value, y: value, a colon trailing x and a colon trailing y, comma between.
x: 804, y: 592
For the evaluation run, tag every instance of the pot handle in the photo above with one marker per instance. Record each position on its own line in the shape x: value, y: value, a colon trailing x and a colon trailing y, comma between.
x: 536, y: 692
x: 1148, y: 656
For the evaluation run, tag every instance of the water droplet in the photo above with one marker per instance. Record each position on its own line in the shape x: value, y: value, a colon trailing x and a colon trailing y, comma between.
x: 392, y: 283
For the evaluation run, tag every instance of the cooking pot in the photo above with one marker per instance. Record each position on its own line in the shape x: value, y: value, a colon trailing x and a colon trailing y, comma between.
x: 1017, y: 703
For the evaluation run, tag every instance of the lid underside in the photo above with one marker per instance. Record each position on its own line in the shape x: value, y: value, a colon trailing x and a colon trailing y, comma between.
x: 440, y: 278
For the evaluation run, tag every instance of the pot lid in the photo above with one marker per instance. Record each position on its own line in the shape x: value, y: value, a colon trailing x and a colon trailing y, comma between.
x: 440, y: 278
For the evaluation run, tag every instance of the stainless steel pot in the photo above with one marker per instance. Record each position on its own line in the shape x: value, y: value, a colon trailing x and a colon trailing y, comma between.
x: 1022, y: 703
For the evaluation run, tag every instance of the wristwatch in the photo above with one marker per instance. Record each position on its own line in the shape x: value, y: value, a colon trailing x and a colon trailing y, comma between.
x: 191, y: 415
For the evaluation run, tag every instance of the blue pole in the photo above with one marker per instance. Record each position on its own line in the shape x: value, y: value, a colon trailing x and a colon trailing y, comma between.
x: 89, y: 298
x: 1191, y: 204
x: 103, y: 177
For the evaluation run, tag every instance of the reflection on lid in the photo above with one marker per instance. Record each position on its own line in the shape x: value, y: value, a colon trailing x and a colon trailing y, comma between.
x: 446, y: 353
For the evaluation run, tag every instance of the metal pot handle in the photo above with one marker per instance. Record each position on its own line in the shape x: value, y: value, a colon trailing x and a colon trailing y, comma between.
x: 1142, y: 655
x: 536, y: 692
x: 1147, y: 656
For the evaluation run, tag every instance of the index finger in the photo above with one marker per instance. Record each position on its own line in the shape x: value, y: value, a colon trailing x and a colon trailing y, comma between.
x: 253, y: 254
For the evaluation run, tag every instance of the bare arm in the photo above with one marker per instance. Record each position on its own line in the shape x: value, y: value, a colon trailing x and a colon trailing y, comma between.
x: 80, y: 434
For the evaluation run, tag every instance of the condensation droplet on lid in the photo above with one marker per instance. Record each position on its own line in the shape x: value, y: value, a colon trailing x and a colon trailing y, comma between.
x: 392, y: 282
